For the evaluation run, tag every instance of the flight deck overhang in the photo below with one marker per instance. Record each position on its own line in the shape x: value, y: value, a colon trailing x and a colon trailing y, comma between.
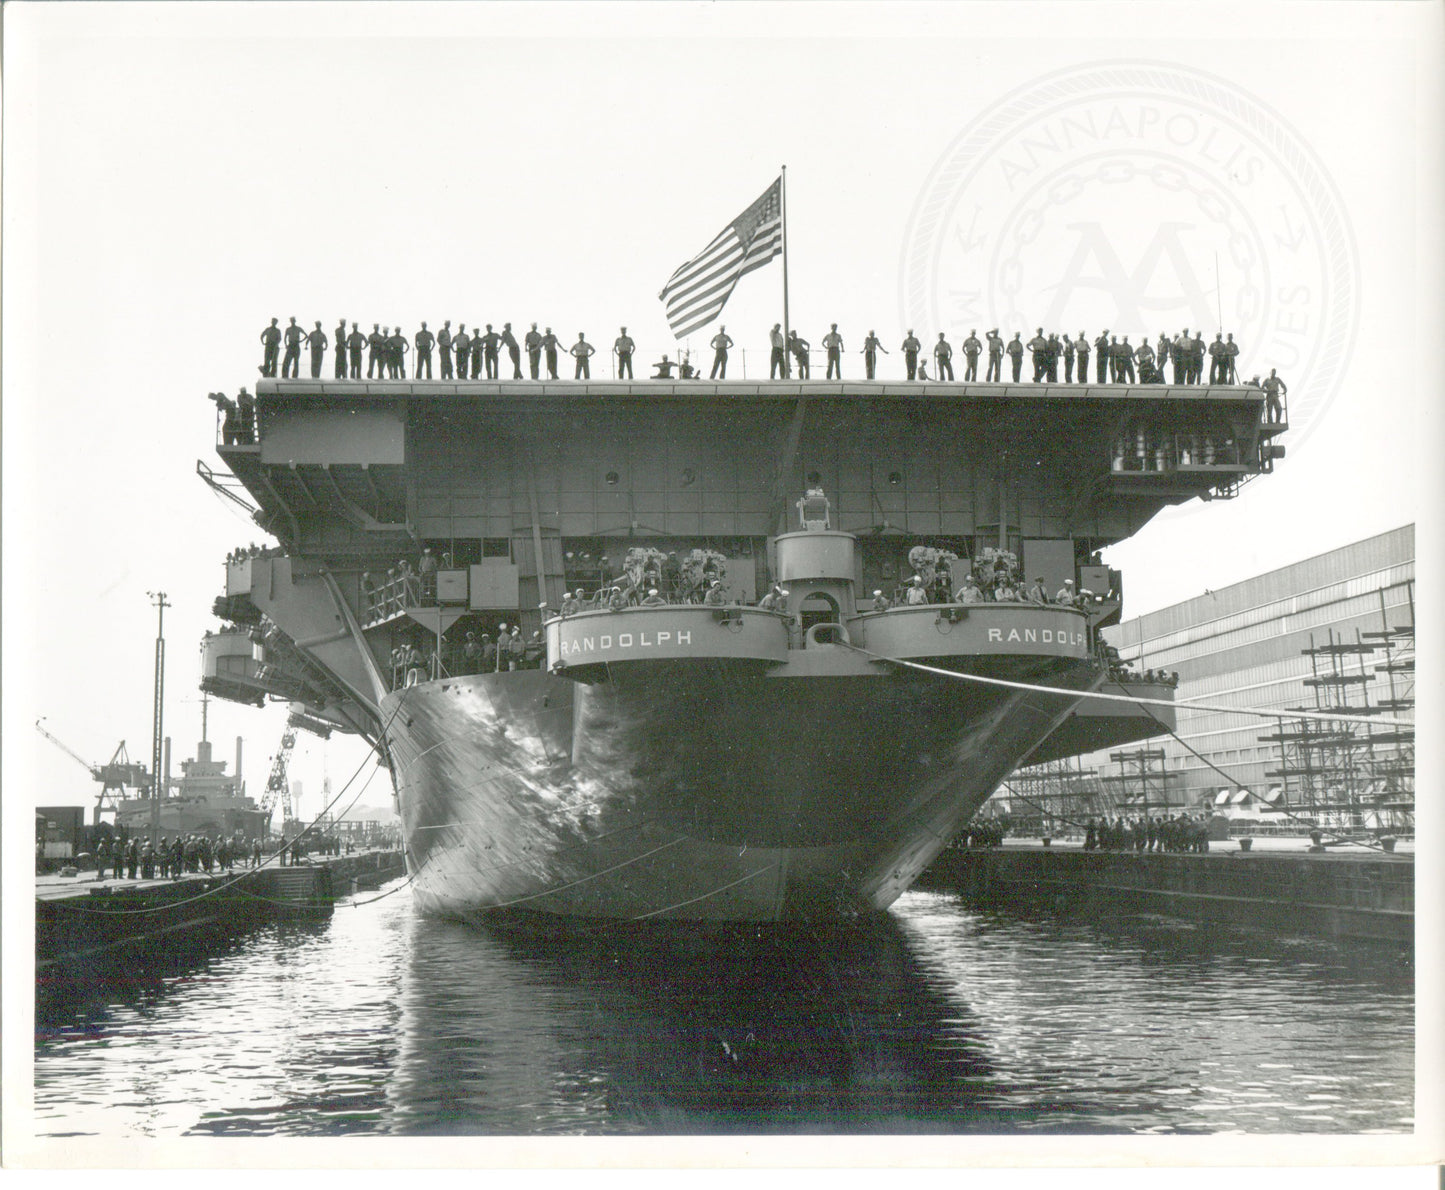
x: 370, y: 469
x: 780, y: 390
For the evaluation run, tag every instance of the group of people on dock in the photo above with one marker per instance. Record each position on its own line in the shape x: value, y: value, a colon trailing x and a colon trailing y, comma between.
x: 135, y: 857
x: 475, y: 355
x: 130, y: 855
x: 1182, y: 833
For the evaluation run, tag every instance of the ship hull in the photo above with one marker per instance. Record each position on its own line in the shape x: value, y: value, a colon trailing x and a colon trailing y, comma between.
x: 703, y: 790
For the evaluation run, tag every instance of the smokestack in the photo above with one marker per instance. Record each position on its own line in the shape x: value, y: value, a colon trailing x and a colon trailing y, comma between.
x: 238, y: 761
x: 166, y: 770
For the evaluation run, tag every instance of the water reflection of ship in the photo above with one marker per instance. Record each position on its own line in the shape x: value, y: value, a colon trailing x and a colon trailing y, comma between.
x: 685, y: 1029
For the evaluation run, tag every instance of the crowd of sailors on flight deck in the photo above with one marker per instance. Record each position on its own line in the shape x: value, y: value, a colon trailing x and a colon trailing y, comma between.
x: 477, y: 355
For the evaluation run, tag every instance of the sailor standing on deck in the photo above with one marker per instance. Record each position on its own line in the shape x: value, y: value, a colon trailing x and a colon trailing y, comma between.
x: 426, y: 568
x: 231, y: 423
x: 1231, y: 353
x: 291, y: 362
x: 1196, y: 358
x: 1273, y: 386
x: 799, y: 347
x: 995, y: 357
x: 971, y: 350
x: 720, y: 344
x: 246, y: 415
x: 778, y: 362
x: 1081, y: 351
x: 270, y: 344
x: 550, y: 343
x: 462, y: 349
x: 833, y: 341
x: 1178, y: 357
x: 1015, y: 351
x: 444, y: 349
x: 624, y: 346
x: 943, y: 357
x: 533, y: 343
x: 1037, y: 346
x: 399, y: 348
x: 484, y: 353
x: 514, y: 353
x: 1068, y: 360
x: 871, y: 348
x: 582, y: 351
x: 317, y: 341
x: 341, y: 350
x: 424, y: 340
x: 491, y: 344
x: 1217, y: 360
x: 1145, y: 355
x: 355, y: 344
x: 911, y: 348
x: 773, y: 600
x: 374, y: 343
x: 1101, y: 356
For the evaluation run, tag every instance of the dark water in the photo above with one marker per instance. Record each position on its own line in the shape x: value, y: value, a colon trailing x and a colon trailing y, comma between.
x: 933, y: 1019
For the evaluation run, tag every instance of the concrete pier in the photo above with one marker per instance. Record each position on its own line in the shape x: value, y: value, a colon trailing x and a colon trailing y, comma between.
x: 1361, y: 895
x: 88, y: 929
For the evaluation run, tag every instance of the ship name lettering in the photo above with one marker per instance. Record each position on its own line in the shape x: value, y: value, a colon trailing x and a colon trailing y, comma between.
x: 625, y: 640
x: 1046, y: 636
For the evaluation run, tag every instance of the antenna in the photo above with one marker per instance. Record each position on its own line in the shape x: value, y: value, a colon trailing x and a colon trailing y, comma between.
x: 1218, y: 301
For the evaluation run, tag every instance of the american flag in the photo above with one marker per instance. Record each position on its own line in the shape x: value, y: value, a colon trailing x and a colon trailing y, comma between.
x: 696, y: 293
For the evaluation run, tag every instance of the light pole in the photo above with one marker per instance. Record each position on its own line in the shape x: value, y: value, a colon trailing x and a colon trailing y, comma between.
x: 158, y: 599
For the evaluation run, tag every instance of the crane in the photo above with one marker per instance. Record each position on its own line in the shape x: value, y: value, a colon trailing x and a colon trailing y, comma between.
x: 276, y: 783
x: 114, y: 776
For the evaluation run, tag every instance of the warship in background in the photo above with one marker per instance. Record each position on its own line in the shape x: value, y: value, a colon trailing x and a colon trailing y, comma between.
x: 204, y: 800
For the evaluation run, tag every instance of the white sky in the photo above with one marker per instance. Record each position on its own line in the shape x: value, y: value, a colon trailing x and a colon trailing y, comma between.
x: 177, y: 174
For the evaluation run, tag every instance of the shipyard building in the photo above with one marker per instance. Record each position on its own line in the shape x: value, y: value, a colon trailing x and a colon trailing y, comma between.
x: 1335, y: 631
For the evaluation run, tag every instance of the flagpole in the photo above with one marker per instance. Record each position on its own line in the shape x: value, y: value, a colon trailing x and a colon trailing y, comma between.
x: 783, y: 216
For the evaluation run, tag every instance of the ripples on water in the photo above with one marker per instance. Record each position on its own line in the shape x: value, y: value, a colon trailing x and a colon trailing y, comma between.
x: 933, y: 1018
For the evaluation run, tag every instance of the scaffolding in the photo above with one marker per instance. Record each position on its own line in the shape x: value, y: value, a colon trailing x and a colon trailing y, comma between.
x: 1141, y: 788
x: 1344, y: 774
x: 1047, y: 799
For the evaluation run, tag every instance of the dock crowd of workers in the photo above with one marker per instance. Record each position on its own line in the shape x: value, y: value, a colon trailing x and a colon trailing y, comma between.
x: 134, y: 857
x: 1177, y: 359
x: 1182, y: 833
